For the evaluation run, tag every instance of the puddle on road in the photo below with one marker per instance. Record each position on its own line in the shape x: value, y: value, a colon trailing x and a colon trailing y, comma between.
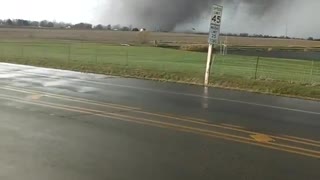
x: 56, y: 73
x: 56, y: 83
x: 11, y: 75
x: 86, y: 89
x: 20, y: 84
x: 66, y: 85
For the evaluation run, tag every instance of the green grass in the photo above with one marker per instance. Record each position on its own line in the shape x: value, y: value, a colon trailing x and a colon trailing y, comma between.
x: 270, y: 75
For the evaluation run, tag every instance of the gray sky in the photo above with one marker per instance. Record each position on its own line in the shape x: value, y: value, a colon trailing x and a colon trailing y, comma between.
x: 300, y: 16
x: 73, y: 11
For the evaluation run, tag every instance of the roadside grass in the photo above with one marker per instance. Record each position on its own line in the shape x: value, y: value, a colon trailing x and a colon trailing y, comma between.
x: 267, y: 75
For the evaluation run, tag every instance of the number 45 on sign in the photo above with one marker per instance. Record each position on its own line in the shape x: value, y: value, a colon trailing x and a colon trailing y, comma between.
x: 216, y: 19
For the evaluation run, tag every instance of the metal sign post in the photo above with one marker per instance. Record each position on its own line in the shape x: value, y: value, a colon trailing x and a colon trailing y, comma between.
x: 214, y: 33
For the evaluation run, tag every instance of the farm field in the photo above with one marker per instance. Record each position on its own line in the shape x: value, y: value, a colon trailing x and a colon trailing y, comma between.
x: 118, y: 37
x: 284, y: 76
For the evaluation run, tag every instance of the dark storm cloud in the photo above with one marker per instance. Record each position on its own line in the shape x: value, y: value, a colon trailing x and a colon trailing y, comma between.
x: 276, y: 17
x: 167, y: 14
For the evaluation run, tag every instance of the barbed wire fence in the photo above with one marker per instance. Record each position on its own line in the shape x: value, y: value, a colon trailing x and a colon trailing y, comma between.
x: 161, y: 60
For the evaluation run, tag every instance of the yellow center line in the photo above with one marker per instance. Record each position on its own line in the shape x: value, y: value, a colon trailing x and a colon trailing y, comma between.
x: 297, y: 141
x: 57, y: 96
x: 186, y: 117
x: 303, y: 139
x: 177, y: 127
x: 285, y: 137
x: 138, y: 118
x: 182, y: 126
x: 135, y: 110
x: 229, y: 128
x: 233, y: 126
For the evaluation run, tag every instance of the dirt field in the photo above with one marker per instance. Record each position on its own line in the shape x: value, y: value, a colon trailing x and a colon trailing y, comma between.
x: 117, y: 37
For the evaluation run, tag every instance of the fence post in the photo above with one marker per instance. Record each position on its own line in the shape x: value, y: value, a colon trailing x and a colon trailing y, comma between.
x: 96, y: 54
x: 69, y: 53
x: 1, y: 50
x: 312, y: 68
x: 127, y: 57
x: 22, y: 50
x: 257, y: 66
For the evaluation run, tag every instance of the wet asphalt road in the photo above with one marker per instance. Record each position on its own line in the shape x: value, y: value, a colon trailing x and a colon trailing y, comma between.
x: 65, y: 125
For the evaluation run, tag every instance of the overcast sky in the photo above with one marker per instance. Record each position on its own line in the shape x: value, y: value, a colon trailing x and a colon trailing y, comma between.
x: 300, y: 16
x: 73, y: 11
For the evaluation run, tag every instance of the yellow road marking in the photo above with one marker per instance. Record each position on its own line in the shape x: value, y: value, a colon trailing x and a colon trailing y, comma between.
x: 233, y: 126
x: 303, y: 139
x: 97, y: 112
x: 185, y: 117
x: 223, y: 126
x: 177, y: 127
x: 137, y: 110
x: 229, y: 128
x: 298, y: 141
x: 57, y: 96
x: 35, y: 97
x: 262, y: 138
x: 181, y: 126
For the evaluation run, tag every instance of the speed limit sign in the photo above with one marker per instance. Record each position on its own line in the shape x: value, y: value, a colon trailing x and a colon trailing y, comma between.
x: 214, y: 32
x: 215, y: 23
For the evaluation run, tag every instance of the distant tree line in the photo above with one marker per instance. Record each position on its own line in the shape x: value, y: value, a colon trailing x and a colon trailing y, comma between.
x: 265, y: 36
x: 254, y: 35
x: 27, y: 23
x: 87, y: 26
x: 62, y: 25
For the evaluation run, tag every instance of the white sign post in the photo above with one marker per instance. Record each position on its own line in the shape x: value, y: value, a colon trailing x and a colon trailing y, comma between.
x: 214, y: 33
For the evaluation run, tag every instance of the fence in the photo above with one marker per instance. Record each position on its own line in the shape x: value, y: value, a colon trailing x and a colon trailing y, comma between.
x: 167, y: 63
